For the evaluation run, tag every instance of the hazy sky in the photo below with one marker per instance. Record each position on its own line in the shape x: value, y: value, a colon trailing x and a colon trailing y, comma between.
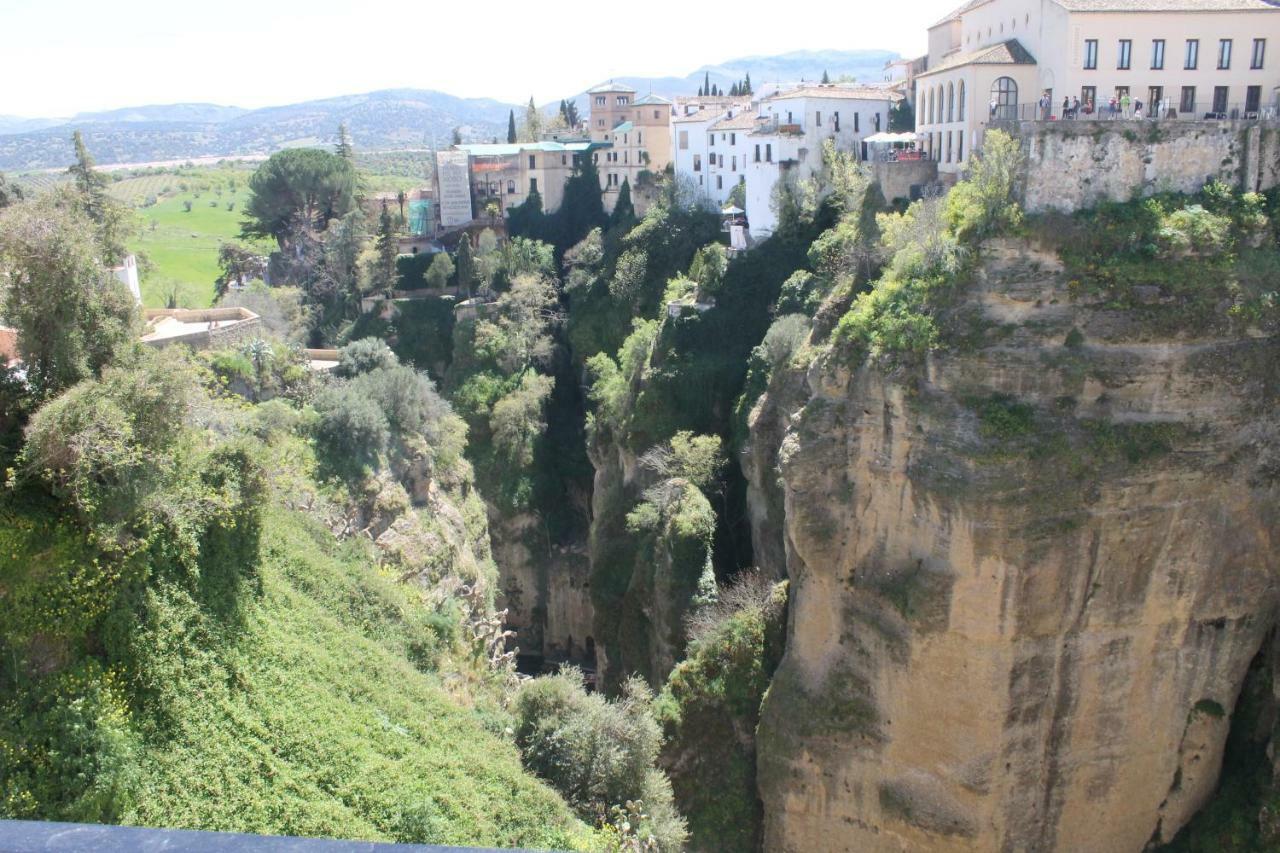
x: 61, y: 57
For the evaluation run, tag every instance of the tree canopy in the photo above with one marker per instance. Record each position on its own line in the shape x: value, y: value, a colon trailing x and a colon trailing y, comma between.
x: 299, y: 186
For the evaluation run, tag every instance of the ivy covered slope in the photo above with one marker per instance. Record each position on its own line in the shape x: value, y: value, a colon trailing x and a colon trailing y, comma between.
x: 186, y: 642
x: 1027, y: 488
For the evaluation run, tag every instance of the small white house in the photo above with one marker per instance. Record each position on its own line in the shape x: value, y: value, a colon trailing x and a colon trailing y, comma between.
x: 127, y: 274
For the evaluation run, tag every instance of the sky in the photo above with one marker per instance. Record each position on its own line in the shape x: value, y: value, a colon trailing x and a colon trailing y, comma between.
x: 61, y: 57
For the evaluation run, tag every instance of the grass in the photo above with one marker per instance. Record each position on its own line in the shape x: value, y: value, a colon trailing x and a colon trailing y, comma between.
x: 317, y: 712
x: 183, y: 246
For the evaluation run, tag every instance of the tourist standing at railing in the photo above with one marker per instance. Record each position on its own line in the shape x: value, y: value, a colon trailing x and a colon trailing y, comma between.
x: 1137, y: 110
x: 1075, y: 107
x: 1113, y: 107
x: 1125, y: 102
x: 1066, y: 107
x: 1045, y: 105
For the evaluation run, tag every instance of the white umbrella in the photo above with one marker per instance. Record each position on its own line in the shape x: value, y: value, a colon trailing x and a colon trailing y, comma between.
x: 732, y: 210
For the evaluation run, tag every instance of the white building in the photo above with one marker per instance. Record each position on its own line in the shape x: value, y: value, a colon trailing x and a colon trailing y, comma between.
x: 792, y: 128
x: 994, y: 60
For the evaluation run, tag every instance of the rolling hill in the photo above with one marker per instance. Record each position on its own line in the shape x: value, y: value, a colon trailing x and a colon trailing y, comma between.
x: 386, y: 119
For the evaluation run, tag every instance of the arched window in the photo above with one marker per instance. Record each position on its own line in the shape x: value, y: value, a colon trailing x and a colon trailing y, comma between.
x: 961, y: 116
x: 511, y: 187
x: 1004, y: 100
x: 951, y: 102
x: 930, y: 110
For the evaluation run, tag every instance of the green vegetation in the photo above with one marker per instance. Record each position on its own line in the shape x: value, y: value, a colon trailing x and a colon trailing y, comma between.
x: 710, y: 708
x: 599, y: 753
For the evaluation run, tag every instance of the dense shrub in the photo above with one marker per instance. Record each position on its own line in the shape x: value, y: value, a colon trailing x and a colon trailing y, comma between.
x: 352, y: 429
x: 597, y: 753
x: 363, y: 356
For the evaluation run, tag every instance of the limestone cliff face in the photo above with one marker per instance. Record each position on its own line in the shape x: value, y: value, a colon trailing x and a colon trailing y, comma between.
x: 1027, y: 580
x: 545, y: 588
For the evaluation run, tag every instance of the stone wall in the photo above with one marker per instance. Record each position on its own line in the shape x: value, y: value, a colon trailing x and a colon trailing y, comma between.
x: 897, y: 179
x: 1073, y: 165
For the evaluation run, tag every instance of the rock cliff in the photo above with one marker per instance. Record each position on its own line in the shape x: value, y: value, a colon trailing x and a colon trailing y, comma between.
x: 1028, y: 577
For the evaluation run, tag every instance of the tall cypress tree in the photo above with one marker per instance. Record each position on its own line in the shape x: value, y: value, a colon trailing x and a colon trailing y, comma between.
x: 387, y: 250
x: 747, y: 84
x: 345, y: 149
x: 706, y: 83
x: 826, y: 78
x: 465, y: 266
x: 624, y: 213
x: 511, y: 127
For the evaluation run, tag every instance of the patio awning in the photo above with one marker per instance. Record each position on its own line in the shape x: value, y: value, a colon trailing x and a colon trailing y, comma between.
x: 732, y: 210
x: 891, y: 138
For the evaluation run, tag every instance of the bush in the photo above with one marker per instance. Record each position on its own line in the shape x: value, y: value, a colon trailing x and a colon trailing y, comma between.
x: 598, y: 754
x: 363, y: 356
x: 352, y: 430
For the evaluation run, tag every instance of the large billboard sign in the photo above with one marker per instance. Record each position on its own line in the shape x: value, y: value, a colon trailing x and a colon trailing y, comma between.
x: 454, y: 182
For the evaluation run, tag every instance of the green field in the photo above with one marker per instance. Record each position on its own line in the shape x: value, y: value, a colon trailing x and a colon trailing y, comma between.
x: 182, y: 246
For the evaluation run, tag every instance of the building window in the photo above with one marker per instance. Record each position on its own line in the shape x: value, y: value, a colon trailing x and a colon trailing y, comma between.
x: 1090, y: 54
x: 697, y: 162
x: 564, y: 160
x: 835, y: 121
x: 1259, y: 53
x: 1125, y: 58
x: 1220, y: 99
x: 712, y: 141
x: 1157, y: 54
x: 877, y: 121
x: 1155, y: 94
x: 757, y: 153
x: 511, y: 187
x: 531, y: 162
x: 948, y: 146
x: 622, y: 100
x: 1224, y: 54
x: 1188, y: 104
x: 768, y: 153
x: 855, y: 122
x: 719, y: 182
x: 533, y: 185
x: 600, y: 122
x: 684, y: 140
x: 1088, y: 96
x: 959, y: 146
x: 734, y: 161
x: 1193, y: 55
x: 817, y: 118
x: 639, y: 141
x: 1004, y: 100
x: 951, y: 102
x: 961, y: 116
x: 655, y: 114
x: 1252, y: 99
x: 733, y: 139
x: 600, y: 101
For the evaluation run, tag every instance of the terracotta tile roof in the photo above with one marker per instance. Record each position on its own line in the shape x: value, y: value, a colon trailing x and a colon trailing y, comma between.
x: 610, y: 87
x: 831, y: 90
x: 1168, y: 5
x: 8, y: 346
x: 651, y: 99
x: 1009, y: 52
x: 701, y: 115
x: 957, y: 12
x: 745, y: 120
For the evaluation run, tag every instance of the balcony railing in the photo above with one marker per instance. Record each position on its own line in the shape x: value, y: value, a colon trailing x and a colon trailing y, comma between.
x: 22, y: 836
x: 1165, y: 111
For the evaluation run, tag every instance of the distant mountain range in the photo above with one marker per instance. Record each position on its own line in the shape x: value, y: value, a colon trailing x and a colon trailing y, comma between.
x: 387, y: 119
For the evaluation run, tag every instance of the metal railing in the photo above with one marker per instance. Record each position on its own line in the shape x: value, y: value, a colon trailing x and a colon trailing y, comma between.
x: 1166, y: 110
x: 23, y: 836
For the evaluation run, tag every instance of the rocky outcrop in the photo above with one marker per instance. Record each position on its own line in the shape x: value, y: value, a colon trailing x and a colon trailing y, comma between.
x: 545, y: 589
x: 1027, y: 578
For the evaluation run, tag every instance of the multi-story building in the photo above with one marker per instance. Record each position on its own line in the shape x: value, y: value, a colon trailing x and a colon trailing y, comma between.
x: 792, y: 127
x: 993, y: 60
x: 505, y: 174
x: 637, y: 131
x: 756, y: 144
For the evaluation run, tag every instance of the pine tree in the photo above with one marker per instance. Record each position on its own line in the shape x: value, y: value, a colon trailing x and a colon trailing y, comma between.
x: 112, y: 219
x: 511, y: 127
x: 466, y: 266
x: 571, y: 116
x: 733, y: 90
x: 457, y: 136
x: 345, y: 149
x: 826, y: 78
x: 532, y: 122
x: 699, y: 91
